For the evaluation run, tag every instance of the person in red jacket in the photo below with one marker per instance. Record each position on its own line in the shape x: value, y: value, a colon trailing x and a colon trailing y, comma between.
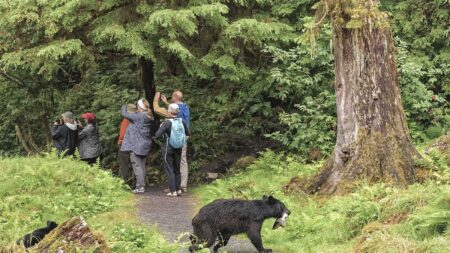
x: 123, y: 157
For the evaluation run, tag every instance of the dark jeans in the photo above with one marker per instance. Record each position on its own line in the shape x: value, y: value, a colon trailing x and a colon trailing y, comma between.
x: 123, y: 157
x: 92, y: 161
x: 65, y: 152
x: 172, y: 160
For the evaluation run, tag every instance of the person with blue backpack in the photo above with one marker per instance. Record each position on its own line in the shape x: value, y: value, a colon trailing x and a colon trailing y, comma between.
x: 175, y: 131
x: 184, y: 113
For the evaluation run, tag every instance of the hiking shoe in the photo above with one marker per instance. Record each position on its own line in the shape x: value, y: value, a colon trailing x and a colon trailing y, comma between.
x: 184, y: 189
x: 179, y: 192
x: 139, y: 190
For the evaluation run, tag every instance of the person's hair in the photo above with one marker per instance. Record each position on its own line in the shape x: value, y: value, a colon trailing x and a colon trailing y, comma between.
x: 171, y: 109
x: 149, y: 110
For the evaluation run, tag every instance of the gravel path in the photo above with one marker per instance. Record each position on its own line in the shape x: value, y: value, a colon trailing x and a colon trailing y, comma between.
x: 173, y: 217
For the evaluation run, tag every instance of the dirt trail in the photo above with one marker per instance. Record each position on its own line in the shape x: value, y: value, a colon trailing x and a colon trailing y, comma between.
x: 173, y: 217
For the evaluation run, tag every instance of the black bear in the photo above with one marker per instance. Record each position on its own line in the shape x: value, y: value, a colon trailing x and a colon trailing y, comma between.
x: 37, y: 235
x: 216, y: 222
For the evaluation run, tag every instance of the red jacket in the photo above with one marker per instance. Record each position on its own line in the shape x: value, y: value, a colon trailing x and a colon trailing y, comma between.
x: 123, y: 128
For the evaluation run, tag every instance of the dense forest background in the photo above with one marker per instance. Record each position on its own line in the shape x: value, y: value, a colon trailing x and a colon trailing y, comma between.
x: 250, y: 69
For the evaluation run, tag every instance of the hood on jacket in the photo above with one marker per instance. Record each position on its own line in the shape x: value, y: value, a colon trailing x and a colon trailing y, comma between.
x: 71, y: 126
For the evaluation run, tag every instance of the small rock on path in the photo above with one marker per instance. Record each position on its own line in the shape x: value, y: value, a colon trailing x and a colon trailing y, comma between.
x: 173, y: 216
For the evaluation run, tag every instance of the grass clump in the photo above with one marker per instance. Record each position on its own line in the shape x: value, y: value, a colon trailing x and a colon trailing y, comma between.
x: 370, y: 218
x: 37, y: 189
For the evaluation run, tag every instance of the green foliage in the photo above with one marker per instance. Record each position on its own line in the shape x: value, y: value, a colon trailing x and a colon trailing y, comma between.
x: 421, y: 37
x: 306, y: 81
x: 371, y: 218
x: 245, y: 67
x: 37, y: 189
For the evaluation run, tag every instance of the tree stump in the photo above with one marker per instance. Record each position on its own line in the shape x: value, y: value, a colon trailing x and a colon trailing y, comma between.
x: 73, y: 235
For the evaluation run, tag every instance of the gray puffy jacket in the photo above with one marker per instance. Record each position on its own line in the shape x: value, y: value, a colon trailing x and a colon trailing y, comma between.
x: 89, y: 139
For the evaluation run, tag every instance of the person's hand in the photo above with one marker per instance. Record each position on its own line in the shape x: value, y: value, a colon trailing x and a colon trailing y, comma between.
x: 164, y: 99
x: 157, y: 95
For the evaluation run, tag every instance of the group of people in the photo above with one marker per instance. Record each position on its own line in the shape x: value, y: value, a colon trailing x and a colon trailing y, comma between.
x: 135, y: 141
x: 69, y: 133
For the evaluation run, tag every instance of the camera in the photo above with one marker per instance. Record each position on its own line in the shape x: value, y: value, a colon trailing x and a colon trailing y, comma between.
x: 58, y: 122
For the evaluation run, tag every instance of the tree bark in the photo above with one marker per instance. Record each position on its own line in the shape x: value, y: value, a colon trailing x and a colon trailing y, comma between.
x: 22, y: 140
x: 147, y: 82
x: 73, y: 235
x: 373, y: 140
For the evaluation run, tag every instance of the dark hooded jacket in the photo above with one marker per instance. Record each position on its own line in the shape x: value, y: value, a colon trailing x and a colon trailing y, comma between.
x: 65, y: 138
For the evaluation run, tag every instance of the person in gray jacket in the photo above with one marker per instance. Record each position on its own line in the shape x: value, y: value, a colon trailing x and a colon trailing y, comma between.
x: 137, y: 140
x: 89, y: 148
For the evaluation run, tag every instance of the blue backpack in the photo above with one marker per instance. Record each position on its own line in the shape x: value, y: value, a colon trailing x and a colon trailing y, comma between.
x: 177, y: 133
x: 184, y: 113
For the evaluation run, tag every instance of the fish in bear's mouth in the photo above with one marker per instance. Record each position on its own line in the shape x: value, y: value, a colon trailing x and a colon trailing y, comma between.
x: 280, y: 222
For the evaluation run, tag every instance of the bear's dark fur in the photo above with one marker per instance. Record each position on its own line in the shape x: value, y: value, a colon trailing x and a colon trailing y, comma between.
x: 29, y: 240
x: 218, y: 221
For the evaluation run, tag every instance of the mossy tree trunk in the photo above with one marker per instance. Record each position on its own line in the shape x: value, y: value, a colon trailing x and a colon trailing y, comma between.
x: 373, y: 139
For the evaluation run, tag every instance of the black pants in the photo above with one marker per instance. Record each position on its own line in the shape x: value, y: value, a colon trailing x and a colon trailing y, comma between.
x: 123, y: 158
x: 91, y: 161
x: 172, y: 160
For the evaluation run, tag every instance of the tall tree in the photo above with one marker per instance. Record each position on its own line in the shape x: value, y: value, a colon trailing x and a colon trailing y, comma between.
x: 373, y: 139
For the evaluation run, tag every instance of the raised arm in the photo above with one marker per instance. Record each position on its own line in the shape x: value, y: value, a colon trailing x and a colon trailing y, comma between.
x: 159, y: 110
x: 82, y: 133
x: 56, y: 132
x: 128, y: 115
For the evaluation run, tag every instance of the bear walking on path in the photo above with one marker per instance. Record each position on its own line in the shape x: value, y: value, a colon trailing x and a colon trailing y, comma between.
x: 218, y: 221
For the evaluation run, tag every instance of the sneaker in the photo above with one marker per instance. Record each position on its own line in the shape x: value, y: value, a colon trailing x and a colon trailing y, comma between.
x: 179, y: 192
x: 184, y: 189
x: 172, y: 194
x: 139, y: 190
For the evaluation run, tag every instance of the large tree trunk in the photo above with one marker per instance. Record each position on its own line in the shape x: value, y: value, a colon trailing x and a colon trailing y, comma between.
x: 373, y: 139
x: 147, y: 82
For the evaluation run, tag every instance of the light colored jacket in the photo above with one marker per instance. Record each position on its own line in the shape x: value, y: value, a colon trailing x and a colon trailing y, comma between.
x: 137, y: 136
x: 89, y: 139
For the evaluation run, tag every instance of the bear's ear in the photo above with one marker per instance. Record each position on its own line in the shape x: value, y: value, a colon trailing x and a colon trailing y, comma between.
x: 272, y: 200
x: 51, y: 224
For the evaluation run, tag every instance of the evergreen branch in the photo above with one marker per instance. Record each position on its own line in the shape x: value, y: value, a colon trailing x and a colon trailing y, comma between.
x: 12, y: 78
